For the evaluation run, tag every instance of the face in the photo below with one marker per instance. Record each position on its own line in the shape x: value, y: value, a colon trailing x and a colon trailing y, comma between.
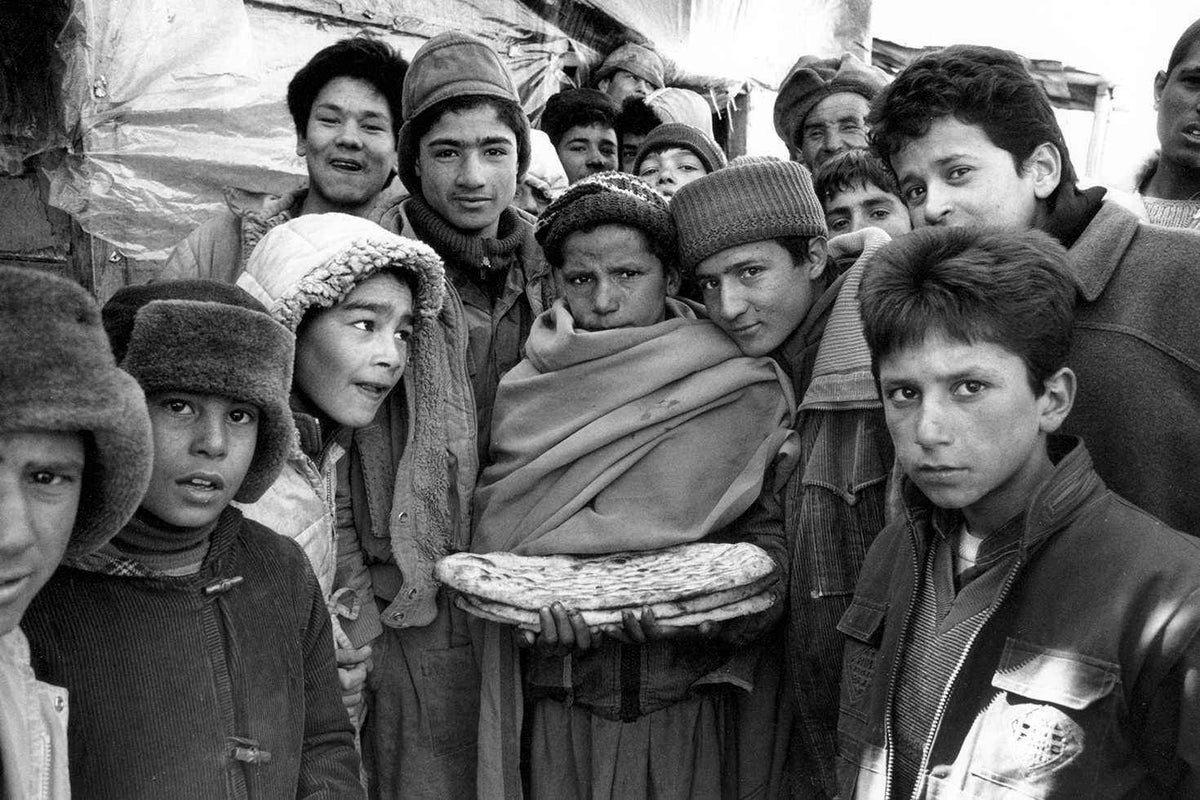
x: 954, y: 175
x: 669, y: 169
x: 624, y: 84
x: 203, y: 446
x: 613, y: 280
x: 758, y: 294
x: 587, y: 149
x: 630, y: 144
x: 1177, y: 97
x: 837, y: 123
x: 41, y: 475
x: 866, y: 206
x: 348, y: 146
x: 968, y: 430
x: 350, y: 356
x: 467, y: 164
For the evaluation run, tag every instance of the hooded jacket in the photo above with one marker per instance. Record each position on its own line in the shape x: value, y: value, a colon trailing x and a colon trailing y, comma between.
x: 1075, y: 684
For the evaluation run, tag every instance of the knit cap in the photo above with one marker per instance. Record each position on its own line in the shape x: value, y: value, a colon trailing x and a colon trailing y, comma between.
x: 675, y: 104
x: 448, y: 66
x: 57, y: 373
x: 811, y: 79
x: 677, y: 134
x: 636, y: 59
x: 753, y: 199
x: 606, y: 197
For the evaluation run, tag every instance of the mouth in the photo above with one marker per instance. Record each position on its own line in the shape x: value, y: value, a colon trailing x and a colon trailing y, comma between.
x: 202, y: 482
x: 345, y: 165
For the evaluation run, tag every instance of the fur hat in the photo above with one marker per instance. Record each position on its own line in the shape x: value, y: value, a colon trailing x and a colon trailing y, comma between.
x: 677, y: 134
x: 57, y: 373
x: 751, y: 200
x: 447, y: 66
x: 209, y: 338
x: 636, y: 59
x: 675, y: 104
x: 811, y: 79
x: 606, y: 197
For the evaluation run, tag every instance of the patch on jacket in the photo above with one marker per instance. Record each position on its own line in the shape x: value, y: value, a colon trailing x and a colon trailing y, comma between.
x: 1044, y: 738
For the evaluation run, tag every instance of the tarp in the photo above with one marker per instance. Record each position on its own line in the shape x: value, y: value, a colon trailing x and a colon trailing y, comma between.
x: 168, y: 101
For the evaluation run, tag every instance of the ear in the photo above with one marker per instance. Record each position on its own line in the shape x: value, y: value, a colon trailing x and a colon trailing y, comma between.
x: 1058, y: 396
x: 673, y: 280
x: 1160, y: 83
x: 818, y: 256
x: 1045, y: 165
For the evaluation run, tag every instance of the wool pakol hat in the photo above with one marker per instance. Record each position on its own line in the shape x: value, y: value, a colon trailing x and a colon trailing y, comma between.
x: 606, y: 197
x: 57, y: 373
x: 753, y: 199
x: 448, y: 66
x: 636, y: 59
x: 213, y: 339
x: 677, y: 134
x: 811, y: 79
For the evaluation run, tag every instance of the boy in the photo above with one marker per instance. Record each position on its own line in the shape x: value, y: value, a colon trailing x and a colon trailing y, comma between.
x: 581, y: 124
x: 73, y: 428
x: 857, y: 190
x: 973, y: 140
x: 463, y: 145
x: 632, y: 425
x: 345, y: 105
x: 752, y: 236
x: 195, y: 628
x: 675, y: 154
x: 1020, y: 629
x: 380, y: 483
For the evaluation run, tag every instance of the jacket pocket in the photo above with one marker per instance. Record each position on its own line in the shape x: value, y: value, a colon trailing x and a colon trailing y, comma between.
x: 862, y: 625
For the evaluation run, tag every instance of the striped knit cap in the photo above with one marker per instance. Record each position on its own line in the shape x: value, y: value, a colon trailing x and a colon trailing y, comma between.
x: 606, y: 197
x: 753, y: 199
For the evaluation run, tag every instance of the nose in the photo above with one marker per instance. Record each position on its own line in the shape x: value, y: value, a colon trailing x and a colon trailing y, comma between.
x: 211, y: 437
x: 931, y: 425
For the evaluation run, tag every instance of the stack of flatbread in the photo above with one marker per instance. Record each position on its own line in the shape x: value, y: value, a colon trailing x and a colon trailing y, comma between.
x: 685, y: 585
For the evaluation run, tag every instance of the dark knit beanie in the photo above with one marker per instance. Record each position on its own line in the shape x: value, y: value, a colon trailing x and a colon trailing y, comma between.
x: 677, y: 134
x: 571, y: 107
x: 57, y: 373
x: 218, y: 340
x: 811, y: 79
x: 636, y: 59
x: 751, y: 200
x: 606, y: 197
x: 449, y: 66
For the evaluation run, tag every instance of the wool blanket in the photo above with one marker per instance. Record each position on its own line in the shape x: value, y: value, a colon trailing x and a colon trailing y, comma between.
x: 627, y: 439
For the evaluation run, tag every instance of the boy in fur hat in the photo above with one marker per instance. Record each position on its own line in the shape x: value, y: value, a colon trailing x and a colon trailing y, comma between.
x: 379, y: 483
x: 73, y: 431
x: 196, y: 643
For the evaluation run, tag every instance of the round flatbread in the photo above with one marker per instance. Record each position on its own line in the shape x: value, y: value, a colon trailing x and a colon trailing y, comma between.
x: 527, y: 620
x: 616, y: 580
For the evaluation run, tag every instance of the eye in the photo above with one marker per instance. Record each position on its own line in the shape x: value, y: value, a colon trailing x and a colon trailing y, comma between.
x: 242, y: 416
x: 968, y: 388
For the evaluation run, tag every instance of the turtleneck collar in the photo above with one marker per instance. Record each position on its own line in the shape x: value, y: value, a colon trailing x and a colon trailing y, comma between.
x: 481, y: 258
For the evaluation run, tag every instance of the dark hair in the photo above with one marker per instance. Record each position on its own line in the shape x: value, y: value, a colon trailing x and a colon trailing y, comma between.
x: 574, y: 107
x: 976, y: 85
x: 1183, y: 46
x: 636, y: 118
x: 973, y: 285
x: 362, y: 57
x: 850, y: 170
x: 508, y: 112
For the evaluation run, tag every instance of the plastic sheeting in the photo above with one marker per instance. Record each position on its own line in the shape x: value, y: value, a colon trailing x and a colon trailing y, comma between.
x: 175, y: 100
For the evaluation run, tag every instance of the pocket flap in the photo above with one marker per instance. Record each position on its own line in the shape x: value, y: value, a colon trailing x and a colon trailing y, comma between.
x: 863, y: 621
x: 1054, y: 676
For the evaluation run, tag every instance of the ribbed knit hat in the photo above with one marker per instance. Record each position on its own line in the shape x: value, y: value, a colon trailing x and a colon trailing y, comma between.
x: 675, y: 104
x: 636, y: 59
x: 448, y: 66
x: 811, y: 79
x: 211, y: 338
x: 57, y: 373
x: 752, y: 200
x: 677, y: 134
x: 606, y: 197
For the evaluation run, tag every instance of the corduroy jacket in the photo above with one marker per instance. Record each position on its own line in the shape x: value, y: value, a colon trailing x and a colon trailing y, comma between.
x: 1081, y: 681
x: 215, y: 685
